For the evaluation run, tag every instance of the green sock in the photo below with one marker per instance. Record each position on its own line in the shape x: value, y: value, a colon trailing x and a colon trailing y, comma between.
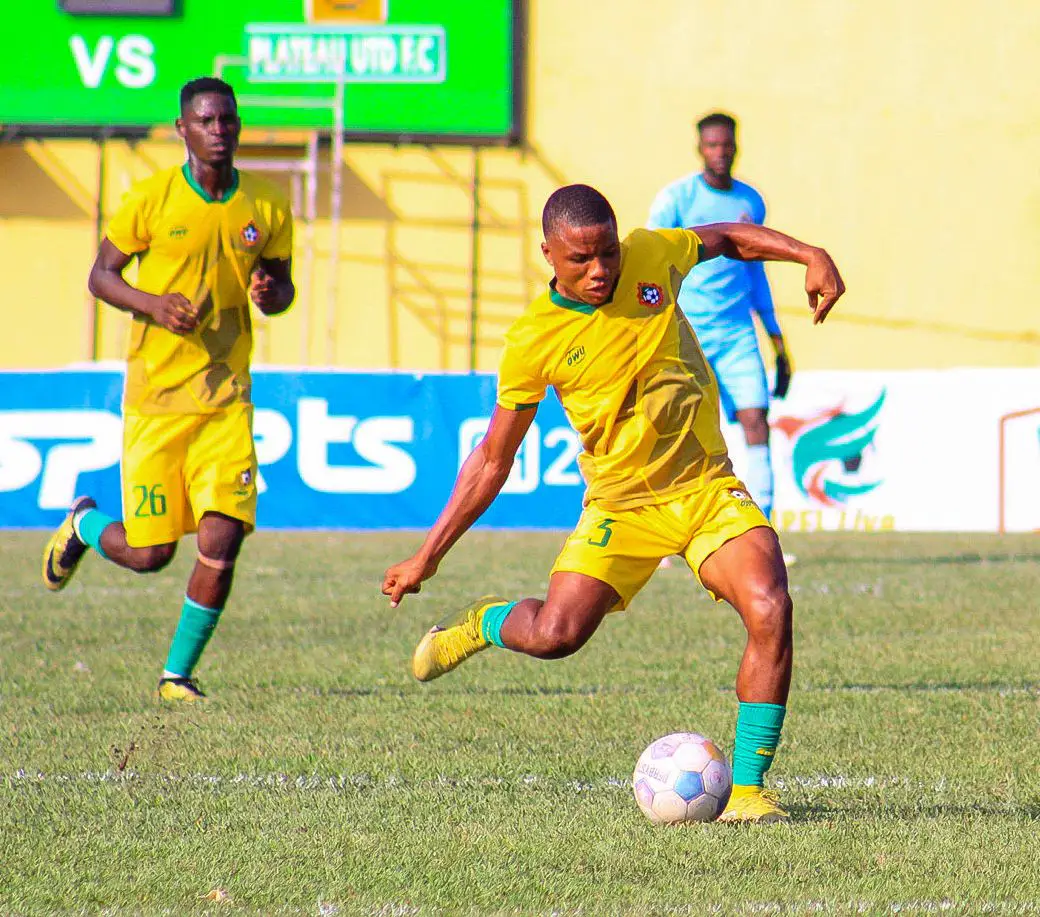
x: 192, y: 635
x: 89, y: 524
x: 491, y: 622
x: 758, y: 734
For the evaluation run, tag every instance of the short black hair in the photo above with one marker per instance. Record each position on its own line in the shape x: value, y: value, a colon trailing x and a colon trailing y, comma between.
x: 202, y: 84
x: 717, y: 119
x: 575, y: 205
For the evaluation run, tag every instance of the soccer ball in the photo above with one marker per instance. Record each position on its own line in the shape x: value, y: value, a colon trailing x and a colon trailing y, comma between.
x: 682, y: 777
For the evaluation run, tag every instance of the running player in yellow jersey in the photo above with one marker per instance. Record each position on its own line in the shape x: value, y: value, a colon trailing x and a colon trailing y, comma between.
x: 607, y: 335
x: 208, y: 238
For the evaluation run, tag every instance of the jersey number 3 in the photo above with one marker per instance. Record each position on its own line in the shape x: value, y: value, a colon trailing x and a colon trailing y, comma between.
x: 607, y: 532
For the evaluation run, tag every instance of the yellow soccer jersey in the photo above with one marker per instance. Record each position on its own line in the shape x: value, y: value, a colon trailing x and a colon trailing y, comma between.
x: 205, y: 249
x: 630, y: 375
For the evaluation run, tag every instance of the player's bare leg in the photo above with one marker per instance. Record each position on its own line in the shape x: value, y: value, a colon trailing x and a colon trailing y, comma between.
x: 551, y: 628
x: 749, y: 573
x: 150, y: 559
x: 84, y: 527
x: 755, y: 426
x: 759, y: 478
x: 562, y: 624
x: 219, y: 541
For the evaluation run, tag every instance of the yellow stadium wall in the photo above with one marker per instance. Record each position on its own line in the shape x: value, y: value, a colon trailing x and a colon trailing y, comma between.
x: 903, y: 136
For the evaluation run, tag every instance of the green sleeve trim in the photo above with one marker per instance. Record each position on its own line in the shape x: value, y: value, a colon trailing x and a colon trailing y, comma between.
x: 518, y: 407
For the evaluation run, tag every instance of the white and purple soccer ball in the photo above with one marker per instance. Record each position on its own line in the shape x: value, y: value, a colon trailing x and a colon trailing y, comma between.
x: 682, y: 777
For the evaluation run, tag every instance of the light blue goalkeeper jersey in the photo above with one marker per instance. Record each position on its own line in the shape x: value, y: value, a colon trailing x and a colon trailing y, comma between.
x: 719, y: 295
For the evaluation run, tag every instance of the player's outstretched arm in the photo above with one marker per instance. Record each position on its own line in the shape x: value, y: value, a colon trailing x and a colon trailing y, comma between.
x: 480, y: 479
x: 748, y: 242
x: 272, y: 289
x: 173, y: 311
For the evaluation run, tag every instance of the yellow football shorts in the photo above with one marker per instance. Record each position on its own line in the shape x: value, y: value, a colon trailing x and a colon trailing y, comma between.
x: 623, y: 548
x: 178, y: 466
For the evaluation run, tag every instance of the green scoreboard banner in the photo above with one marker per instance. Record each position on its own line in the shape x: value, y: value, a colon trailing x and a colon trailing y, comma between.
x: 409, y: 68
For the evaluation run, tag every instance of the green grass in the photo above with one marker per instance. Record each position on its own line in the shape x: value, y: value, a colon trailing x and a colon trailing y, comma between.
x: 321, y: 779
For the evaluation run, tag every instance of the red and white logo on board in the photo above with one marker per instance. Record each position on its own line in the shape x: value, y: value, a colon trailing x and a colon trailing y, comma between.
x: 650, y: 295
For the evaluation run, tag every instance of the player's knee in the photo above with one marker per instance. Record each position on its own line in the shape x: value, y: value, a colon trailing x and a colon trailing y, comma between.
x: 557, y: 637
x: 220, y: 539
x: 769, y: 615
x: 153, y: 558
x: 756, y: 429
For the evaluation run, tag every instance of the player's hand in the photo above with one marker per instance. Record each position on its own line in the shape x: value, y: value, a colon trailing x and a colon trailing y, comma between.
x: 823, y: 285
x: 406, y: 578
x: 175, y: 313
x: 264, y: 288
x: 783, y: 374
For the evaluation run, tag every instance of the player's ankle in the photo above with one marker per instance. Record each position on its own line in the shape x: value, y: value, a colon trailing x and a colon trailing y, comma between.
x: 746, y: 789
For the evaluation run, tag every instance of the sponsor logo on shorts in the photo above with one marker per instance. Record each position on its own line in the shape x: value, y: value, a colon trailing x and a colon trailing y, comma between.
x: 650, y: 295
x: 742, y: 495
x: 244, y: 480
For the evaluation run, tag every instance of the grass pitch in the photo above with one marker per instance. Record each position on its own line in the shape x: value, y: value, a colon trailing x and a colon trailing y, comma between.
x: 322, y: 780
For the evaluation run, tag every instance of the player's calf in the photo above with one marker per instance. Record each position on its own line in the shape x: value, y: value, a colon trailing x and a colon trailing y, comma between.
x: 203, y: 605
x: 147, y: 560
x: 561, y: 625
x: 554, y: 634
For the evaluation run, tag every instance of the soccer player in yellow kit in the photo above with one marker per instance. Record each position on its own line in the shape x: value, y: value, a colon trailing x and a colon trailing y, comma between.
x: 208, y: 238
x: 607, y: 335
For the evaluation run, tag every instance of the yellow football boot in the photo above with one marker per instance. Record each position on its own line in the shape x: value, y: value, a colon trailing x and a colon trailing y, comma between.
x: 180, y: 689
x: 64, y: 551
x: 754, y: 804
x: 453, y: 640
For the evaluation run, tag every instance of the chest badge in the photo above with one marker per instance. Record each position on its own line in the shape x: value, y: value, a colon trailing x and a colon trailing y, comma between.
x: 575, y: 355
x: 650, y: 295
x: 250, y: 234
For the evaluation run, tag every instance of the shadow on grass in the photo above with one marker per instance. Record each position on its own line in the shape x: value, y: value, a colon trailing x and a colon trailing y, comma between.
x: 909, y: 812
x: 929, y: 687
x: 470, y: 690
x: 960, y: 560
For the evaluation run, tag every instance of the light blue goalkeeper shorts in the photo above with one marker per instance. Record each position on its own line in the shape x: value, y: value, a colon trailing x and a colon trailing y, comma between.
x: 737, y: 364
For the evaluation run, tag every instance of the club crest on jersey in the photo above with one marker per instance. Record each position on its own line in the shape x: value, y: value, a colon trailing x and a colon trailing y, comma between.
x: 650, y: 295
x: 250, y: 234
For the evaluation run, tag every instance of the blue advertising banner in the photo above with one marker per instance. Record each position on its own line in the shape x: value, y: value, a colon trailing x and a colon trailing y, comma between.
x: 335, y: 450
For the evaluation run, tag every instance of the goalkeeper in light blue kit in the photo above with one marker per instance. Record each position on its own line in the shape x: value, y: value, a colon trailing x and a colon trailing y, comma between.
x: 719, y: 296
